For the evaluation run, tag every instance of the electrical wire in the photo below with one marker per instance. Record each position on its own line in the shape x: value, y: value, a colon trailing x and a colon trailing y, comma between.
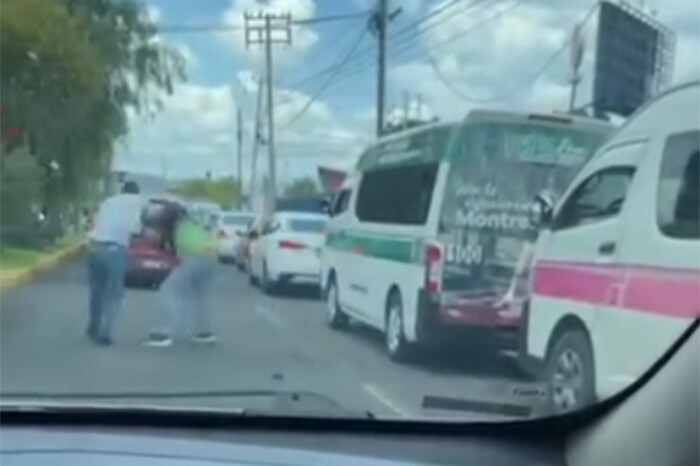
x: 340, y: 64
x: 407, y: 46
x: 172, y: 28
x: 365, y: 61
x: 521, y: 86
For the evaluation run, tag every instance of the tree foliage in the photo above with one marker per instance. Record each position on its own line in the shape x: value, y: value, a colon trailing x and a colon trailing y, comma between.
x: 305, y: 186
x: 225, y: 192
x: 72, y: 73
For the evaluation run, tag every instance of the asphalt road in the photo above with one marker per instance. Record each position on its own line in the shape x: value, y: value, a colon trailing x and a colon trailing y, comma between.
x: 279, y: 344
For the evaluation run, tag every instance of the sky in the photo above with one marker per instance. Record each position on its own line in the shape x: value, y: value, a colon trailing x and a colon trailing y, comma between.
x: 468, y: 54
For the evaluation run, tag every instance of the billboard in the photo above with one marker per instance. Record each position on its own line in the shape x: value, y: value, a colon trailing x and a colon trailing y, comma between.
x: 634, y: 59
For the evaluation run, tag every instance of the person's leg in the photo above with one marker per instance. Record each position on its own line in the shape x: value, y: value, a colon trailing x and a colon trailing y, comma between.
x: 202, y: 279
x: 96, y: 282
x: 169, y: 303
x: 115, y: 261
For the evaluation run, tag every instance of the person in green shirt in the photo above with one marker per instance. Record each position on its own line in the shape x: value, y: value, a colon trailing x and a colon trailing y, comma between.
x: 183, y: 295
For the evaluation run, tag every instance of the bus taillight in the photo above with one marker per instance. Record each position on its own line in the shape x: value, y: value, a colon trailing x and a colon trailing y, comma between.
x: 433, y: 267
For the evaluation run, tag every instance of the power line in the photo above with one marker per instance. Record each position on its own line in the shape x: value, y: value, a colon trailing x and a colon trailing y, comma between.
x: 172, y: 28
x: 523, y: 85
x: 363, y: 61
x: 452, y: 38
x: 338, y: 67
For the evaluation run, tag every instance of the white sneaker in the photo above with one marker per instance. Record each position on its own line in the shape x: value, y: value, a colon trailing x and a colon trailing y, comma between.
x: 158, y: 341
x: 205, y: 338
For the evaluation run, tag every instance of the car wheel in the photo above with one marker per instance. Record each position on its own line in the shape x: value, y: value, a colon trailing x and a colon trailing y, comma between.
x: 394, y: 338
x: 570, y: 373
x: 337, y: 319
x: 269, y: 287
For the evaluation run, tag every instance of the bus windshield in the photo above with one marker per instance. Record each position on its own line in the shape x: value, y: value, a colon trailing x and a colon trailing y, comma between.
x: 496, y: 169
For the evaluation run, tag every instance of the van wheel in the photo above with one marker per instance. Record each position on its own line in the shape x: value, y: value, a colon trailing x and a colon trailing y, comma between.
x: 337, y: 319
x: 394, y: 338
x: 569, y: 374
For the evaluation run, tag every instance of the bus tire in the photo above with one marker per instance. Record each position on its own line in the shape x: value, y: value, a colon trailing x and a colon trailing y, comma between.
x: 337, y: 319
x: 570, y: 373
x: 395, y: 342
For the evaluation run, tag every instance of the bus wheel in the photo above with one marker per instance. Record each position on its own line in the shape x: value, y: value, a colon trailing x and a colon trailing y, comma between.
x: 570, y: 373
x: 337, y: 319
x: 394, y: 338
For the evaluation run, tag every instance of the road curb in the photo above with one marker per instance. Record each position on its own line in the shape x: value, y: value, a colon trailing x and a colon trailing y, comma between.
x: 59, y: 257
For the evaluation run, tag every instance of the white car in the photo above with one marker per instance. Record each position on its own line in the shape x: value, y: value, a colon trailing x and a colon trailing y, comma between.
x: 288, y: 250
x: 229, y: 227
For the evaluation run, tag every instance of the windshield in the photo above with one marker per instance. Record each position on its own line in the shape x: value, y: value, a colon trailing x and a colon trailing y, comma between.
x: 307, y: 225
x: 495, y: 218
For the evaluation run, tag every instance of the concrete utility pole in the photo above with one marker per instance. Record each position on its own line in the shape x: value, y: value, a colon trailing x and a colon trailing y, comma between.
x: 239, y: 152
x: 253, y: 185
x: 258, y: 30
x: 381, y: 21
x: 578, y: 48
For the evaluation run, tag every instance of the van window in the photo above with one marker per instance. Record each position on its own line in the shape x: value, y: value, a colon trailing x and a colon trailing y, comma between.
x: 678, y: 196
x: 398, y: 195
x: 599, y: 197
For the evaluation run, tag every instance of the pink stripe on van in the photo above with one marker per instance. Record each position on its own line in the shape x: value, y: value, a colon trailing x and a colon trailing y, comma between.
x: 658, y: 290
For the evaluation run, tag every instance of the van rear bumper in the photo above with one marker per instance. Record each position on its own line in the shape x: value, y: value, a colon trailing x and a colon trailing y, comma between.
x: 439, y: 322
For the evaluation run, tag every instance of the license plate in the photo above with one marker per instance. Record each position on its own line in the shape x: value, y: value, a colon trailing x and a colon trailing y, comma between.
x: 151, y: 264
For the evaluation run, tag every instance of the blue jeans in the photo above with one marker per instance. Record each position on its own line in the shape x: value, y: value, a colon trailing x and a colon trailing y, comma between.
x: 106, y: 269
x: 183, y: 304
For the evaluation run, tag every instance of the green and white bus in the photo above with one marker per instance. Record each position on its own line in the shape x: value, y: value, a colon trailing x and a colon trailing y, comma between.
x: 427, y: 233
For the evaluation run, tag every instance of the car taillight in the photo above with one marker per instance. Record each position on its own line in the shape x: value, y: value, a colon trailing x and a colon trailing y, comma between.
x: 433, y: 267
x: 286, y: 244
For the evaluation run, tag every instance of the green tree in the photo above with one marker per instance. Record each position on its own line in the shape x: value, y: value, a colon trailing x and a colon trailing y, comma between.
x: 225, y: 192
x: 305, y: 186
x: 72, y: 71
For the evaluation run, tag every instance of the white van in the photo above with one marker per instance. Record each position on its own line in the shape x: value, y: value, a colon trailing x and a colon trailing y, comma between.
x: 617, y: 264
x: 426, y: 234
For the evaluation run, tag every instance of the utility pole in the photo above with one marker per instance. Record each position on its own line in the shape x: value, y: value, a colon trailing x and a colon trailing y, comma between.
x: 380, y: 22
x: 253, y: 186
x: 258, y: 30
x: 578, y: 48
x: 239, y: 153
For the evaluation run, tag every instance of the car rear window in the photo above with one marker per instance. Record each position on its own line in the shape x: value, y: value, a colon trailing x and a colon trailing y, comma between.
x: 307, y: 225
x: 236, y: 220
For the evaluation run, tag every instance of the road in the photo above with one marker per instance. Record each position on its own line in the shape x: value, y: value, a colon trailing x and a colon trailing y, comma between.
x: 265, y: 343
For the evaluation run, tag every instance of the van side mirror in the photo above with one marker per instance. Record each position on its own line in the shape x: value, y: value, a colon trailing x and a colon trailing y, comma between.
x: 542, y: 211
x: 326, y: 205
x: 253, y: 234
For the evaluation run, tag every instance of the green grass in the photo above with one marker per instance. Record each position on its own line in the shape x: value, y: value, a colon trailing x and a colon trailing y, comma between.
x: 16, y: 258
x: 12, y: 258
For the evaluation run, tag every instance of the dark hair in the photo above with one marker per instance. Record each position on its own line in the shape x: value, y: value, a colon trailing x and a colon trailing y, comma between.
x: 131, y: 187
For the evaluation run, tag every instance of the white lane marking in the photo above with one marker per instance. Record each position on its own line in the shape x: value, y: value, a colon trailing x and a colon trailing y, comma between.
x: 382, y: 397
x: 268, y: 315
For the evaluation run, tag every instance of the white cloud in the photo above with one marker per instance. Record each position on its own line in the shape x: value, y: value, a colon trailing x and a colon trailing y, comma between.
x: 303, y: 38
x: 500, y: 57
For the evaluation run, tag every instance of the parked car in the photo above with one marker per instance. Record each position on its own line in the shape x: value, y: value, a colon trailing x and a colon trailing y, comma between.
x: 148, y: 263
x: 426, y: 234
x: 230, y: 228
x: 288, y: 250
x: 617, y: 264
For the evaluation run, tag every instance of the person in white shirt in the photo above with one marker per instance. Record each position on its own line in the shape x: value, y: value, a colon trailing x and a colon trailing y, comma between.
x: 117, y: 218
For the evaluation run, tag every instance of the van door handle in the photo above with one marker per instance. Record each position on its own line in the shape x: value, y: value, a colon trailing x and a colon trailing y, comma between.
x: 607, y: 248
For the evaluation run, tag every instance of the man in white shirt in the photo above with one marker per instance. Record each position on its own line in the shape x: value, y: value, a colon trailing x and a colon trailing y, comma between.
x: 117, y: 218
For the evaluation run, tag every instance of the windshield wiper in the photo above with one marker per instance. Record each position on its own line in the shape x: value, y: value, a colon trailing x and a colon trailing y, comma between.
x: 275, y: 402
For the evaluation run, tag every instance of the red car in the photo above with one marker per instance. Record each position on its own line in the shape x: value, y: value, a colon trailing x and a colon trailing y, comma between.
x: 148, y: 263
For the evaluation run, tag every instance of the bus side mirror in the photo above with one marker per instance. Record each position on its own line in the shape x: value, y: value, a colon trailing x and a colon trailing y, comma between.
x: 542, y: 211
